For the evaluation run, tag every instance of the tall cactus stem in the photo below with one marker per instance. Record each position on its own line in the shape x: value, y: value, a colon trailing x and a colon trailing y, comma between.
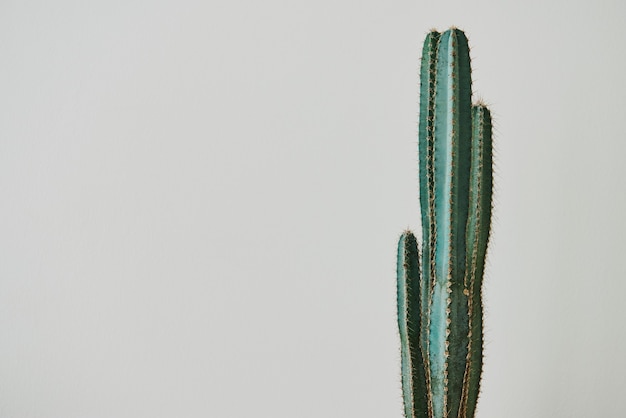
x: 448, y: 331
x: 478, y: 229
x: 427, y: 199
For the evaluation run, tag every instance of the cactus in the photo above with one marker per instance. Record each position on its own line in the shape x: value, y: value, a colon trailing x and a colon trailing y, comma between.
x: 439, y: 296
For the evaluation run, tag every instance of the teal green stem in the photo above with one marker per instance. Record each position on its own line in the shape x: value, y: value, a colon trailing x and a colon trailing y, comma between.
x: 478, y: 229
x: 449, y: 323
x: 409, y: 324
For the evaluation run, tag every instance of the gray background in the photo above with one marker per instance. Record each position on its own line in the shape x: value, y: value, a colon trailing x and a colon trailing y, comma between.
x: 200, y: 202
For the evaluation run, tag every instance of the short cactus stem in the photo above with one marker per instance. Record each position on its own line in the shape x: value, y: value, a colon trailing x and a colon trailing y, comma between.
x: 440, y: 305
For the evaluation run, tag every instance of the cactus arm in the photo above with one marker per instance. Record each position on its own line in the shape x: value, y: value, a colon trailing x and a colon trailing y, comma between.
x: 449, y: 323
x: 478, y: 227
x: 409, y: 324
x: 426, y: 172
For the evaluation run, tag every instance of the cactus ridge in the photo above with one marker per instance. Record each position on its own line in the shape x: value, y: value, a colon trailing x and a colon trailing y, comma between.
x: 440, y: 307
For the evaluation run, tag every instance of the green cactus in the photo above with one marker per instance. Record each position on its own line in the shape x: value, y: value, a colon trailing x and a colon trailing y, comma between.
x: 440, y: 307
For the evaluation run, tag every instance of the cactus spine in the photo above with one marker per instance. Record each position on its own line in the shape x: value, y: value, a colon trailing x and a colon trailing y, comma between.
x: 439, y: 298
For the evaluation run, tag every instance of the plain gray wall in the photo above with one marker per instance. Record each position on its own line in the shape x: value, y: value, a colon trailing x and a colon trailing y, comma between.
x: 200, y: 202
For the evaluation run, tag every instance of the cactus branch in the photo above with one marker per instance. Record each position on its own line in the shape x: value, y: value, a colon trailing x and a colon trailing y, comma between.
x: 409, y: 324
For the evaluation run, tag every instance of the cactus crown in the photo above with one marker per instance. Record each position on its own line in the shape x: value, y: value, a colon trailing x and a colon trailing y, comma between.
x: 439, y: 291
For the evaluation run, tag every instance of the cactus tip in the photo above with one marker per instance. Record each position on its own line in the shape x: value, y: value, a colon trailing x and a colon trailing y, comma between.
x: 480, y: 102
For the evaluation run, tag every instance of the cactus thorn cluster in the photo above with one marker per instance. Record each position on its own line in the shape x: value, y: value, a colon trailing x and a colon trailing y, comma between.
x: 439, y: 289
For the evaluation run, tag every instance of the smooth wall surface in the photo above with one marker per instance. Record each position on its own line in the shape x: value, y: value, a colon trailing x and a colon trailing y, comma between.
x: 200, y: 202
